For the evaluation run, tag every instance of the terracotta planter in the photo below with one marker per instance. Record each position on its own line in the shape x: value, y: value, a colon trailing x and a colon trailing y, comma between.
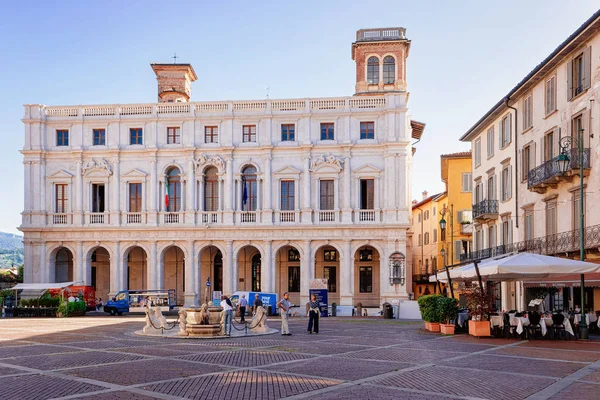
x: 479, y: 328
x: 435, y: 326
x: 447, y: 329
x: 427, y: 326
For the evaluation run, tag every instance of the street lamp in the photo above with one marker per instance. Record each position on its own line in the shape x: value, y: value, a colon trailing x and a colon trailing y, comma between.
x: 443, y: 253
x: 563, y: 162
x: 442, y: 223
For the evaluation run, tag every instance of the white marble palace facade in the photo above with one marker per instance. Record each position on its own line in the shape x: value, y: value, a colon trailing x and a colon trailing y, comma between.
x: 262, y: 195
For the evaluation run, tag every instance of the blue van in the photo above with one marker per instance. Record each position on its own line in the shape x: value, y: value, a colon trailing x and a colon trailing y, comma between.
x: 136, y: 300
x: 268, y: 299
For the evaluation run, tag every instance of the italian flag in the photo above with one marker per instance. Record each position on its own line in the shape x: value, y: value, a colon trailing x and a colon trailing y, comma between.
x: 167, y: 194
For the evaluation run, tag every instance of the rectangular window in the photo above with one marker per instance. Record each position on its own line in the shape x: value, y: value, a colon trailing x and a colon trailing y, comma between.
x: 490, y: 142
x: 61, y: 198
x: 135, y: 197
x: 99, y: 137
x: 293, y: 279
x: 506, y: 130
x: 211, y: 192
x: 527, y: 112
x: 528, y: 217
x: 478, y: 152
x: 467, y: 183
x: 426, y: 240
x: 576, y: 212
x: 211, y: 134
x: 434, y: 235
x: 551, y: 221
x: 367, y: 130
x: 330, y: 273
x: 329, y: 255
x: 287, y: 195
x: 173, y: 135
x: 249, y: 133
x: 367, y: 194
x: 97, y: 197
x: 135, y: 136
x: 288, y: 132
x: 506, y: 184
x: 492, y: 236
x: 491, y: 187
x: 426, y: 215
x: 478, y: 192
x: 327, y: 131
x: 550, y: 94
x: 579, y: 73
x: 550, y: 148
x: 420, y: 240
x: 326, y: 194
x: 62, y: 137
x: 526, y: 162
x: 366, y: 280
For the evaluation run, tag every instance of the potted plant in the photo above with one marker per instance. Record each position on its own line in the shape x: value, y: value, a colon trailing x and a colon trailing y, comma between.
x: 480, y: 307
x: 429, y: 311
x: 448, y: 309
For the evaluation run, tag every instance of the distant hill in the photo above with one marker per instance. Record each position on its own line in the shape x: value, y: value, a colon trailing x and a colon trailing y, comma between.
x: 11, y: 250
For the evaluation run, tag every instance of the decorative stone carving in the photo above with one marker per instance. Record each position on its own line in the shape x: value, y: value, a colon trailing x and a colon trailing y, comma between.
x: 155, y: 321
x: 102, y: 164
x: 215, y: 160
x: 326, y: 159
x: 182, y: 322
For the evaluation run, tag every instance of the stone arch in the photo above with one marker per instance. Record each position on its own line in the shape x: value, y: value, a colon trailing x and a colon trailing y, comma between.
x: 250, y: 163
x: 51, y: 256
x: 324, y: 267
x: 362, y: 243
x: 211, y: 259
x: 136, y: 274
x: 288, y: 276
x: 297, y: 245
x: 366, y: 271
x: 172, y: 266
x: 172, y: 165
x: 248, y: 274
x: 97, y: 264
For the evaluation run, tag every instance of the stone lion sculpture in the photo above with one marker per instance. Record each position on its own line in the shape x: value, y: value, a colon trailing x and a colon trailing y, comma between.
x: 154, y: 320
x: 259, y: 321
x: 205, y: 315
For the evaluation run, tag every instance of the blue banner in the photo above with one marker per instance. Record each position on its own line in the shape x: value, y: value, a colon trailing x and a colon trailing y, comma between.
x: 322, y: 299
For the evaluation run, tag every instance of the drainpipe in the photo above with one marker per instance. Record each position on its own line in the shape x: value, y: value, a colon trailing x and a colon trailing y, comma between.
x: 516, y: 164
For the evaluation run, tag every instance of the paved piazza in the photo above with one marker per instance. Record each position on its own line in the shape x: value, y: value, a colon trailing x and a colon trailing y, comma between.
x: 98, y: 357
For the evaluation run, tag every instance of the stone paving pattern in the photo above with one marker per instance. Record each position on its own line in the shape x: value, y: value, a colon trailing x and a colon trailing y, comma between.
x: 98, y: 357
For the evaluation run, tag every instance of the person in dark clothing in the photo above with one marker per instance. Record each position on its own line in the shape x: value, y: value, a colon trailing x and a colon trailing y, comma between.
x: 257, y: 303
x: 313, y: 314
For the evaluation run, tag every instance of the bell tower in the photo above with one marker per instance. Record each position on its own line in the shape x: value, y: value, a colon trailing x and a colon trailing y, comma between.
x: 174, y: 82
x: 380, y: 56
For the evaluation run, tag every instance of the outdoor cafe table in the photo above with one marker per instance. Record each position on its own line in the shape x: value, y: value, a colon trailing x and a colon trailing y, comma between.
x: 589, y: 318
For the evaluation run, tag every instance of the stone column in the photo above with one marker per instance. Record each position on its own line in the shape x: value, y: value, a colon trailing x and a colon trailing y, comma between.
x: 267, y: 204
x: 346, y: 204
x: 42, y: 190
x: 228, y: 192
x: 191, y: 280
x: 115, y: 207
x: 346, y: 274
x: 228, y: 267
x: 307, y: 271
x: 190, y: 194
x: 78, y: 216
x: 267, y: 277
x: 115, y: 271
x: 44, y: 264
x: 153, y: 193
x: 306, y: 206
x: 201, y: 192
x: 152, y: 267
x: 79, y: 260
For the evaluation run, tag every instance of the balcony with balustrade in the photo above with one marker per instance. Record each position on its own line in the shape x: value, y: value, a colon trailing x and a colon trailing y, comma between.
x: 485, y: 210
x: 548, y: 174
x: 97, y: 218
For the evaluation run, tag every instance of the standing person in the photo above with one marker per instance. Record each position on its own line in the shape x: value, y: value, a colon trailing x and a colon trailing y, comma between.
x: 228, y: 311
x: 284, y: 305
x: 313, y: 314
x: 242, y: 307
x: 257, y: 303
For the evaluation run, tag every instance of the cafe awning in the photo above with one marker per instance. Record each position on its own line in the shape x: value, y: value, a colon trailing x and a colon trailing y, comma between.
x: 42, y: 286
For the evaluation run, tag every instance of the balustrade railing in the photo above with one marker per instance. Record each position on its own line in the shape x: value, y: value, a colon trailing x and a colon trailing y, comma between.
x: 97, y: 218
x: 61, y: 219
x: 485, y: 207
x: 248, y: 217
x: 287, y: 216
x: 173, y: 108
x: 171, y: 218
x: 559, y: 243
x: 550, y: 169
x: 327, y: 216
x: 134, y: 218
x: 366, y: 215
x: 209, y: 217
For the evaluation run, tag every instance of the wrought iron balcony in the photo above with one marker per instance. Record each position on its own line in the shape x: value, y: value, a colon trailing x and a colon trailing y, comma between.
x: 485, y: 210
x: 549, y: 173
x: 559, y: 243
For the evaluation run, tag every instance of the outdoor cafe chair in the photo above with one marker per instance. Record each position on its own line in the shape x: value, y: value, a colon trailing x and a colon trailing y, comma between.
x: 509, y: 330
x: 558, y: 326
x: 534, y: 325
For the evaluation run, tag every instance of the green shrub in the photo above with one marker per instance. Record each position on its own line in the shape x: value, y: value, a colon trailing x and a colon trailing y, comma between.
x: 447, y: 308
x: 62, y: 309
x: 428, y: 305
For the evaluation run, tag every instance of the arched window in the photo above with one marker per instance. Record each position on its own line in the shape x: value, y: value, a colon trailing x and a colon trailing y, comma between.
x: 218, y: 271
x: 256, y: 273
x: 249, y: 189
x: 373, y: 70
x: 211, y: 189
x: 173, y: 190
x: 389, y: 69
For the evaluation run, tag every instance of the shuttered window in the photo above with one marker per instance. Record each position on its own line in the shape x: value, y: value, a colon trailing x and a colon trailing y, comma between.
x: 550, y: 95
x: 287, y: 195
x: 135, y: 197
x: 506, y: 183
x: 551, y: 221
x: 506, y: 131
x: 211, y: 190
x: 326, y: 194
x: 367, y: 194
x: 478, y: 152
x: 61, y: 198
x: 527, y: 112
x: 579, y: 73
x: 490, y: 142
x: 467, y: 183
x: 491, y: 188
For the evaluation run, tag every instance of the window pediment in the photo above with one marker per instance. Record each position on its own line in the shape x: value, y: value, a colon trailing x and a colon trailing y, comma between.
x: 367, y: 170
x: 134, y: 174
x: 288, y: 171
x: 61, y: 174
x: 326, y: 163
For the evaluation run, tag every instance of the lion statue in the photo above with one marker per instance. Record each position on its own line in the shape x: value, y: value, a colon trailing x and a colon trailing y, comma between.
x: 259, y: 321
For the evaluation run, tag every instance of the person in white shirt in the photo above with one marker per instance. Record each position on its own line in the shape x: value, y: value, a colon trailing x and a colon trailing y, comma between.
x: 242, y: 307
x: 228, y: 311
x: 285, y: 305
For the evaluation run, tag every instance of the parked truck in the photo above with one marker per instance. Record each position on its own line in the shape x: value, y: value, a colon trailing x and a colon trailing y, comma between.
x: 136, y: 301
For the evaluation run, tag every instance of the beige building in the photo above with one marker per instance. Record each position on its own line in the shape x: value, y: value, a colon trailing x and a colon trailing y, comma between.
x: 523, y: 200
x: 259, y: 195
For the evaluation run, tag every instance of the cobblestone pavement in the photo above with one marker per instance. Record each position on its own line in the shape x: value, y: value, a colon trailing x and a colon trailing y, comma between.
x: 98, y: 357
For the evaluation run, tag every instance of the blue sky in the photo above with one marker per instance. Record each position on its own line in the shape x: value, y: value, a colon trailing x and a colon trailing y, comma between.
x: 465, y: 56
